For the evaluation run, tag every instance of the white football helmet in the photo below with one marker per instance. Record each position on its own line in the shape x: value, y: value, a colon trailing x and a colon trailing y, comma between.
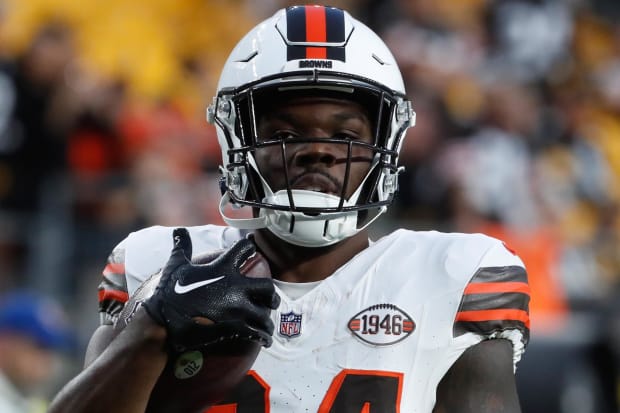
x: 319, y: 50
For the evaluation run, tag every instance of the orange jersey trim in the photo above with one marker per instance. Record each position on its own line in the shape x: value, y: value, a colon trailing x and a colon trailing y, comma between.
x: 498, y: 314
x: 497, y: 287
x: 337, y: 382
x: 116, y: 295
x: 114, y: 268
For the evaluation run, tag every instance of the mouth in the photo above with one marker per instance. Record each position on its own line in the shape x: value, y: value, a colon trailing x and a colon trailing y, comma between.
x: 317, y: 182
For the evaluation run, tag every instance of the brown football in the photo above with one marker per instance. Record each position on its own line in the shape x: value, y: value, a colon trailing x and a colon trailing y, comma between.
x: 194, y: 380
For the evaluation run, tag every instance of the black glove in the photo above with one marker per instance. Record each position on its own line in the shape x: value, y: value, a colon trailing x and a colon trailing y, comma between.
x: 238, y: 306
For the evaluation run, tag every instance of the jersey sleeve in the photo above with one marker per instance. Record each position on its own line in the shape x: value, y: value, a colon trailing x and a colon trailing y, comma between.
x: 113, y: 287
x: 144, y: 253
x: 495, y: 302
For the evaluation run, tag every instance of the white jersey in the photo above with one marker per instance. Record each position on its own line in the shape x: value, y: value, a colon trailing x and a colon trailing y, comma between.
x: 379, y: 333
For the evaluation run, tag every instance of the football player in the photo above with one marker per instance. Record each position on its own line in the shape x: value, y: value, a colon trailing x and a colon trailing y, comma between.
x: 311, y: 113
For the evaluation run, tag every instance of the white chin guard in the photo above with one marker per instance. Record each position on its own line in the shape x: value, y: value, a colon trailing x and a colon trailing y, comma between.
x: 309, y: 230
x: 301, y: 229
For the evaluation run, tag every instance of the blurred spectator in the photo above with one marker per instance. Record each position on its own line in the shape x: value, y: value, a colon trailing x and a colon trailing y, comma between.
x: 33, y: 329
x: 529, y: 37
x: 33, y: 137
x: 31, y: 145
x: 171, y: 182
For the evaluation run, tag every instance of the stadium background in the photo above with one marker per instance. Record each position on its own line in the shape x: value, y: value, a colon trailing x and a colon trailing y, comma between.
x: 102, y: 132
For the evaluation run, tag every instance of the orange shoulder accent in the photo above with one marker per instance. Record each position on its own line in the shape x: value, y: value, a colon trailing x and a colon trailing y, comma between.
x: 114, y: 268
x: 115, y: 295
x: 498, y: 314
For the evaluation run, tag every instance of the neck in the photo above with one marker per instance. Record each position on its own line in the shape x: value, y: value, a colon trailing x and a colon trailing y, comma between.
x: 293, y: 263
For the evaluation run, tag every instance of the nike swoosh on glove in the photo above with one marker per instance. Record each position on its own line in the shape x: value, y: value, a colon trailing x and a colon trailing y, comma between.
x: 239, y: 307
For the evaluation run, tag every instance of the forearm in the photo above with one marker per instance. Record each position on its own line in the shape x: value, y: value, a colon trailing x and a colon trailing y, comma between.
x: 122, y: 377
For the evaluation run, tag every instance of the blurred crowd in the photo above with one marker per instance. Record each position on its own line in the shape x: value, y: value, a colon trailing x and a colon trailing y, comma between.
x: 102, y: 132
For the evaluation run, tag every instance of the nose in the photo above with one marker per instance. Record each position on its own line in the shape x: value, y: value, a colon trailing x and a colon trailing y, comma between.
x: 316, y: 152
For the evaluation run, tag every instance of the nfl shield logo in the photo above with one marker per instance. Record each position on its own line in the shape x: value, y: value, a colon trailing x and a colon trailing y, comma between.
x: 290, y: 324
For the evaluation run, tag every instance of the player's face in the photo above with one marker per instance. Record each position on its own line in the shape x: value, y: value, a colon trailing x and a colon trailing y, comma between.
x: 318, y: 165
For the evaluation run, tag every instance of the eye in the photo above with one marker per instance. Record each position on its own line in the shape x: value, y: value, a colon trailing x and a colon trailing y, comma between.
x: 283, y: 135
x: 278, y: 135
x: 346, y: 135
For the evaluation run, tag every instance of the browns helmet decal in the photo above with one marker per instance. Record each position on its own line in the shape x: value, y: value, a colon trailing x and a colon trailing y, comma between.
x: 315, y: 32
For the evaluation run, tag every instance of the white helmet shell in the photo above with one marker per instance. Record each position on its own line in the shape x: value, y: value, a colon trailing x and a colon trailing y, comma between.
x: 265, y: 51
x: 300, y: 48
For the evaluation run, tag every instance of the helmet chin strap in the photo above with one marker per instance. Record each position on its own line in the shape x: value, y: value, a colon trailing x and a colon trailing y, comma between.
x: 241, y: 223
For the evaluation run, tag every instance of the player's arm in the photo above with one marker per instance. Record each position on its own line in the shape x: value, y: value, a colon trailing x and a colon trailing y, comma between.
x: 494, y: 308
x: 122, y: 370
x: 121, y: 377
x: 480, y: 381
x: 119, y: 369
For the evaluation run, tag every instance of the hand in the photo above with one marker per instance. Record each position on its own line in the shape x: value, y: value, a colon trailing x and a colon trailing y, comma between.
x: 235, y: 306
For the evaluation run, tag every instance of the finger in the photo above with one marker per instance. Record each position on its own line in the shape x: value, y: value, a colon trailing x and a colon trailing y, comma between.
x: 236, y: 255
x: 275, y: 301
x: 261, y: 330
x: 263, y: 338
x: 240, y: 329
x: 182, y: 250
x: 263, y: 292
x: 206, y: 257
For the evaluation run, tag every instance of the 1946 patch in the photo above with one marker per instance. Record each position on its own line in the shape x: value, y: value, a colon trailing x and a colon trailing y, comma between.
x: 381, y: 325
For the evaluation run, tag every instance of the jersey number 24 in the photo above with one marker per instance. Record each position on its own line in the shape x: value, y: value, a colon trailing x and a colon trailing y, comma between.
x: 351, y: 391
